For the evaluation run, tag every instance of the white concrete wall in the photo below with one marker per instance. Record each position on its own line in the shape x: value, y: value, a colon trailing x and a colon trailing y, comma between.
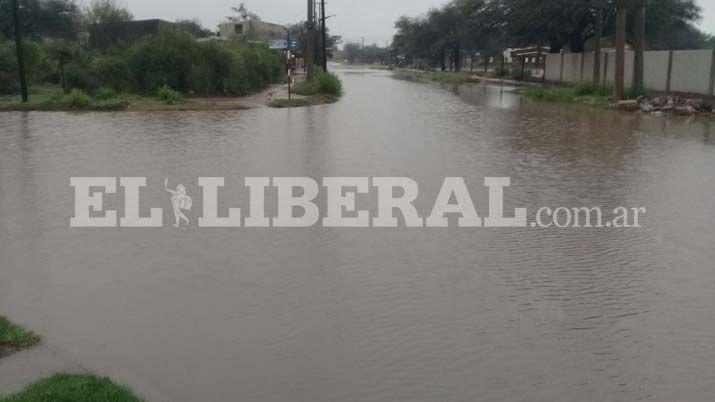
x: 691, y: 69
x: 553, y: 66
x: 656, y: 70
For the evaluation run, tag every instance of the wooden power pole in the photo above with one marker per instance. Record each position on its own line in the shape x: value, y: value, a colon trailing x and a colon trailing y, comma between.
x: 597, y: 45
x: 639, y: 44
x: 310, y: 41
x: 324, y: 35
x: 618, y: 87
x: 18, y: 49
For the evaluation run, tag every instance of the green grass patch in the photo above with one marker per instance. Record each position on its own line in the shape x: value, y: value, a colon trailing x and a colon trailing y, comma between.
x: 51, y: 98
x: 169, y: 96
x: 74, y: 388
x: 583, y: 93
x: 450, y: 77
x: 323, y: 84
x: 302, y: 102
x: 14, y: 337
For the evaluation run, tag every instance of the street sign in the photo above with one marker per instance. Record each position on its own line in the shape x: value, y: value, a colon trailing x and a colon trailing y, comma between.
x: 280, y: 44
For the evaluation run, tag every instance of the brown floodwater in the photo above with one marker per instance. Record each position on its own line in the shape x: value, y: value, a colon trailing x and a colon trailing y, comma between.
x: 368, y: 315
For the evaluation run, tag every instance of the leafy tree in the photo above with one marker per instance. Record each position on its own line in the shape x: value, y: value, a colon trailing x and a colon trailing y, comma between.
x: 42, y: 18
x: 491, y: 25
x: 107, y: 12
x: 242, y: 14
x: 193, y: 27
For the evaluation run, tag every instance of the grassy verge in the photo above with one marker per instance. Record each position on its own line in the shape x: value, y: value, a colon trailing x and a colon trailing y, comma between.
x: 13, y: 337
x: 583, y: 93
x: 441, y: 77
x: 51, y: 98
x: 73, y: 388
x: 323, y: 89
x: 312, y: 100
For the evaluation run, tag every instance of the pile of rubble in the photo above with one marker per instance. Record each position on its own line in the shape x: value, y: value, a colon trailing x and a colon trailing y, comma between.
x: 668, y: 104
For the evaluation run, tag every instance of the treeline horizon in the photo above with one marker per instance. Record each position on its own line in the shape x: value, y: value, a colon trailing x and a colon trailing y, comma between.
x: 491, y: 26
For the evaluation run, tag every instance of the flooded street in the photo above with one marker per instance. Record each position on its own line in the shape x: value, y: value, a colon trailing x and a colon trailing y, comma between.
x: 368, y: 315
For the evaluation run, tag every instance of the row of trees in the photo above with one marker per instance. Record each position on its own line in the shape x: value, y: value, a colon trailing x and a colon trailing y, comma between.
x: 59, y: 18
x: 489, y: 26
x: 52, y: 53
x: 371, y: 54
x: 65, y: 19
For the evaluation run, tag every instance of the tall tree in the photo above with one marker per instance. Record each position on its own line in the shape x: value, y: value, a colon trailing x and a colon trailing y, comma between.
x: 107, y: 12
x: 639, y: 45
x: 193, y: 27
x: 42, y: 18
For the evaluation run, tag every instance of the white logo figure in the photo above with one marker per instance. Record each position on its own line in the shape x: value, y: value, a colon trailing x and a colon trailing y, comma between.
x: 179, y: 201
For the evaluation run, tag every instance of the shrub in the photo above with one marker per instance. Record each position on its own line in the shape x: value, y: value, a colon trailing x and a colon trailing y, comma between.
x: 168, y: 95
x: 631, y: 93
x: 550, y: 94
x: 105, y: 93
x: 77, y: 99
x: 163, y: 59
x: 113, y: 72
x: 589, y: 89
x: 502, y: 72
x: 323, y: 83
x: 329, y: 84
x: 110, y: 104
x: 307, y: 88
x: 8, y: 68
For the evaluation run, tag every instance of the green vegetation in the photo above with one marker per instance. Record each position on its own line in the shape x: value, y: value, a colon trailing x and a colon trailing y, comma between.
x: 441, y: 77
x: 312, y: 100
x: 448, y: 77
x: 73, y: 388
x: 52, y: 98
x: 440, y: 36
x: 323, y: 84
x: 13, y: 337
x: 168, y: 95
x: 168, y: 65
x: 323, y: 89
x: 586, y: 93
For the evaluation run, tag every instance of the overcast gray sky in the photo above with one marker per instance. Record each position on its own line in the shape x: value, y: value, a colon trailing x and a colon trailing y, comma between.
x: 372, y: 19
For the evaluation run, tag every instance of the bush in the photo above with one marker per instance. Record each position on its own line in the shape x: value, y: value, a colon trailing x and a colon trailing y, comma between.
x: 501, y: 72
x: 323, y: 83
x: 590, y: 89
x: 631, y: 93
x: 168, y: 95
x: 8, y: 68
x: 77, y: 99
x: 113, y: 72
x: 163, y: 59
x: 307, y: 88
x: 105, y: 93
x: 172, y: 58
x: 329, y: 84
x: 110, y: 104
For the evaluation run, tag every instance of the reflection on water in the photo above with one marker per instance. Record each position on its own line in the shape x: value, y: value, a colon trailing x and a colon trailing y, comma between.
x: 373, y: 315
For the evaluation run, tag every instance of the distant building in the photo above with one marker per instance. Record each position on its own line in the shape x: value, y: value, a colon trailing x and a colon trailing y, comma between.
x: 252, y: 30
x: 534, y: 55
x: 106, y: 35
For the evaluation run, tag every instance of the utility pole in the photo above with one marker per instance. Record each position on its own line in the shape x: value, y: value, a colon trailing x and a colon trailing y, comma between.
x: 639, y: 44
x: 288, y: 61
x: 310, y: 41
x: 362, y: 51
x: 618, y: 88
x: 18, y: 49
x: 597, y: 45
x: 324, y: 32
